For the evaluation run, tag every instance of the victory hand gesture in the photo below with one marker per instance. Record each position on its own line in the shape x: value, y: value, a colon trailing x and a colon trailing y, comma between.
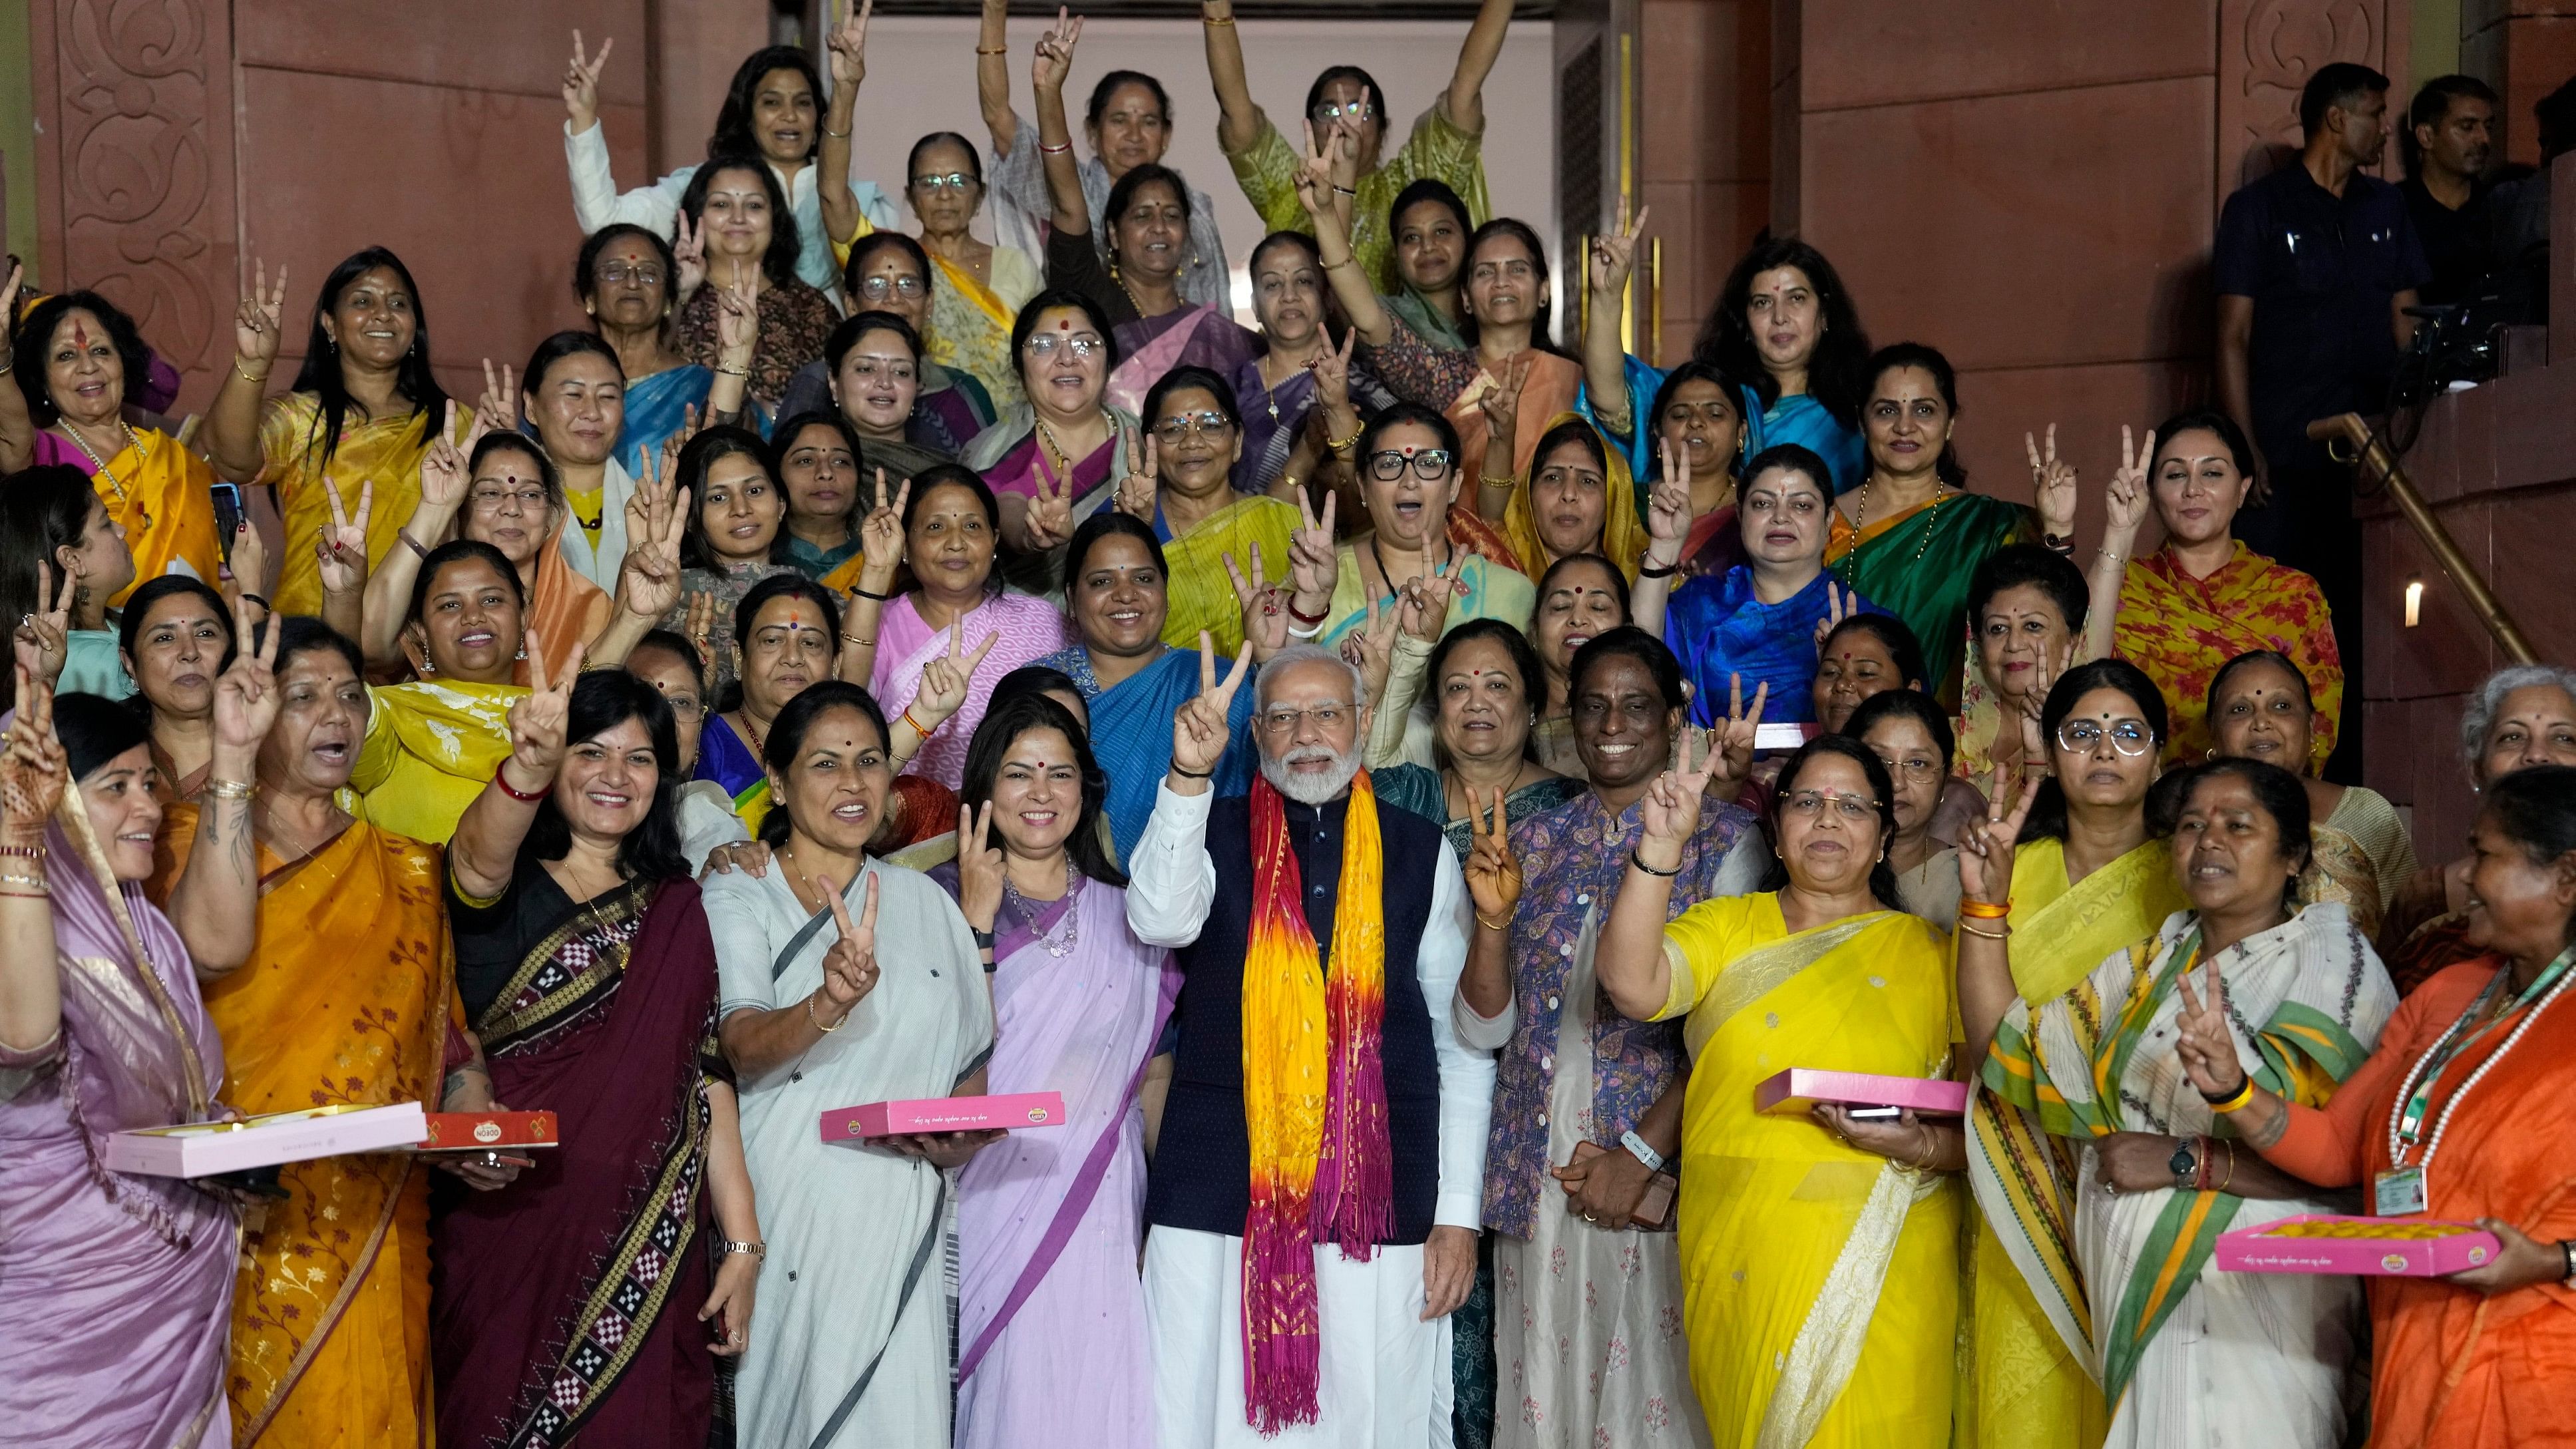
x: 1493, y: 871
x: 1199, y: 729
x: 1838, y: 607
x: 689, y: 257
x: 1313, y: 177
x: 1423, y: 604
x: 1314, y: 559
x: 1371, y: 650
x: 341, y: 547
x: 442, y: 468
x: 43, y: 639
x: 33, y: 768
x: 1668, y: 511
x: 648, y: 579
x: 738, y: 322
x: 246, y: 693
x: 538, y: 721
x: 1731, y: 739
x: 258, y: 323
x: 2131, y: 492
x: 2203, y: 1041
x: 1049, y: 521
x: 979, y: 866
x: 1332, y: 369
x: 581, y: 84
x: 1670, y: 808
x: 497, y: 411
x: 1986, y: 848
x: 1265, y: 611
x: 1501, y: 406
x: 881, y: 535
x: 2052, y: 485
x: 1054, y: 58
x: 848, y: 43
x: 850, y: 966
x: 945, y: 678
x: 1137, y: 491
x: 1614, y: 257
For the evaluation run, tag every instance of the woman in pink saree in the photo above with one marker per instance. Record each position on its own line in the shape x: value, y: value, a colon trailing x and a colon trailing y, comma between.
x: 957, y: 611
x: 1051, y: 1314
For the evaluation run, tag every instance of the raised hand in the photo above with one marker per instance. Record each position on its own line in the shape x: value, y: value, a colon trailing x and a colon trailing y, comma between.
x: 1669, y: 810
x: 881, y: 534
x: 1054, y: 57
x: 738, y: 321
x: 1314, y: 558
x: 688, y: 258
x: 648, y: 579
x: 1332, y: 369
x: 2202, y: 1038
x: 33, y: 768
x: 1137, y: 491
x: 497, y: 411
x: 248, y: 562
x: 1264, y: 606
x: 341, y: 548
x: 9, y: 290
x: 1313, y: 177
x: 1199, y: 729
x: 945, y: 679
x: 1731, y: 739
x: 1838, y: 607
x: 2052, y: 485
x: 442, y: 469
x: 1493, y: 871
x: 581, y: 84
x: 1986, y: 848
x: 539, y: 719
x: 258, y: 323
x: 1668, y: 511
x: 246, y: 693
x: 42, y: 639
x: 1371, y: 650
x: 979, y: 866
x: 1501, y: 406
x: 1049, y: 521
x: 2034, y: 700
x: 848, y: 43
x: 850, y: 966
x: 1614, y: 258
x: 2130, y: 493
x: 1422, y: 605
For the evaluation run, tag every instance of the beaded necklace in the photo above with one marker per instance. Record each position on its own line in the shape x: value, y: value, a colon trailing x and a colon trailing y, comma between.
x: 2428, y: 1068
x: 98, y: 464
x: 1931, y: 525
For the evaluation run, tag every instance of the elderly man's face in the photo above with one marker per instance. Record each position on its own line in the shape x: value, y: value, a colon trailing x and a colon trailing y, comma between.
x: 1309, y: 726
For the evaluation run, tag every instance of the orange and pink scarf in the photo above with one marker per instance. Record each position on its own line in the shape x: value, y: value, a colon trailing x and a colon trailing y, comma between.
x: 1314, y: 1102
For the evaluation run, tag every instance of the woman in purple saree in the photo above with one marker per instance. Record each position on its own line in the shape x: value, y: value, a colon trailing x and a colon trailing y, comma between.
x: 119, y: 1285
x: 1051, y: 1314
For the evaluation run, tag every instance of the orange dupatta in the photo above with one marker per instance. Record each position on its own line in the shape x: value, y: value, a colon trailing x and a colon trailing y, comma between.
x: 347, y: 998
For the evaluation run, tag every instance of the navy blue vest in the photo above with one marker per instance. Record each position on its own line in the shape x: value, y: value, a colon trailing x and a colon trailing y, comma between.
x: 1201, y: 1174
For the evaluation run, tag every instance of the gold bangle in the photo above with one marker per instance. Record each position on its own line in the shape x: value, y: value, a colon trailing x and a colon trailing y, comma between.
x: 1344, y: 445
x: 249, y: 377
x: 1216, y: 20
x: 992, y: 50
x: 1989, y: 935
x: 1504, y: 924
x: 1344, y: 262
x: 855, y: 639
x: 838, y: 135
x: 1498, y: 482
x: 818, y: 1021
x: 230, y: 789
x: 1984, y: 911
x: 13, y: 878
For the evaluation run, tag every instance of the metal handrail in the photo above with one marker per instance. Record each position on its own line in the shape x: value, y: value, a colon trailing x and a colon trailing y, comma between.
x: 2370, y: 453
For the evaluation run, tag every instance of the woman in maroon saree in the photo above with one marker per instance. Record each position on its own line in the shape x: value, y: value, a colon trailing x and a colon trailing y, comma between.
x: 593, y: 1296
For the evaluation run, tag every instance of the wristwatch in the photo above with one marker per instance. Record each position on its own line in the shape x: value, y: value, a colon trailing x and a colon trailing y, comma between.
x: 2185, y: 1165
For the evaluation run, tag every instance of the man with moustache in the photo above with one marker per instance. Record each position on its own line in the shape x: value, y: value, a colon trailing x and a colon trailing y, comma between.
x: 2450, y: 134
x: 1315, y: 1190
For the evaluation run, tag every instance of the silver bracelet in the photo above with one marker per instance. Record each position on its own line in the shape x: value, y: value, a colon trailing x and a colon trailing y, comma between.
x: 758, y: 1251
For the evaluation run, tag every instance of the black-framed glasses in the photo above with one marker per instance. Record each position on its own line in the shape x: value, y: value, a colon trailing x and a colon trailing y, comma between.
x: 1429, y: 464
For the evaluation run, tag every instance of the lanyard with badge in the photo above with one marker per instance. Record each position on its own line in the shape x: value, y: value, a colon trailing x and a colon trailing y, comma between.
x: 2401, y: 1190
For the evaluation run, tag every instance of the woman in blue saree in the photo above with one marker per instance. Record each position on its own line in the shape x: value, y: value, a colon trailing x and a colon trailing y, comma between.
x: 1786, y: 325
x: 626, y: 279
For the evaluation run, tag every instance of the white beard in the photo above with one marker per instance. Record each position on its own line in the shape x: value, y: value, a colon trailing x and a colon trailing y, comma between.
x: 1311, y: 789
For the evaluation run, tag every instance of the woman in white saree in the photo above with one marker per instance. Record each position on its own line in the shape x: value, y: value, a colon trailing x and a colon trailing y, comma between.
x: 2188, y: 1354
x: 852, y: 1346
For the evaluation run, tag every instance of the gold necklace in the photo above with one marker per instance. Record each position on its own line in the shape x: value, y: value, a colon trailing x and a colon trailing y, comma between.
x: 1056, y: 450
x: 1851, y: 560
x: 608, y: 947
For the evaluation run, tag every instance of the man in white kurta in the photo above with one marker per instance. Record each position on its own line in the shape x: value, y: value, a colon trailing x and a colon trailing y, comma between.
x: 1384, y: 1371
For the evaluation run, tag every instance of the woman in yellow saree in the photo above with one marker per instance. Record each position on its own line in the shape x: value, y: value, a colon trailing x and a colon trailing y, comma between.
x: 1820, y: 1258
x: 361, y: 412
x: 2088, y: 881
x: 70, y: 365
x: 1575, y: 497
x: 348, y: 998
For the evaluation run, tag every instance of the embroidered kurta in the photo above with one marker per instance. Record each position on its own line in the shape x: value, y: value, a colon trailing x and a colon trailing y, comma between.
x: 2180, y: 630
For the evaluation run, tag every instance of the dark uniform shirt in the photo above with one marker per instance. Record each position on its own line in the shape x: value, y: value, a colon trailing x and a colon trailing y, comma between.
x: 2321, y: 269
x: 2454, y: 242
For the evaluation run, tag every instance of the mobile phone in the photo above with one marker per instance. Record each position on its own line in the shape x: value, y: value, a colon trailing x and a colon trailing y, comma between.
x: 1875, y: 1114
x: 228, y: 517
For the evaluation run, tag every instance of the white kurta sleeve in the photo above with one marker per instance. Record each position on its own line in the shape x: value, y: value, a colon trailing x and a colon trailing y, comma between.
x: 1484, y: 1033
x: 1741, y: 873
x: 1171, y: 882
x: 1017, y: 185
x: 1466, y: 1074
x: 595, y: 200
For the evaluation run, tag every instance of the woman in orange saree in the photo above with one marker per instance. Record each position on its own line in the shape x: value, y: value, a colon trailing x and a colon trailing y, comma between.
x: 349, y: 998
x: 2463, y: 1114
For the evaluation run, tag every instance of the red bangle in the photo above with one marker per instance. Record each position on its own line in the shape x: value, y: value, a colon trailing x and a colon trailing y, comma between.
x: 501, y: 777
x: 1309, y: 620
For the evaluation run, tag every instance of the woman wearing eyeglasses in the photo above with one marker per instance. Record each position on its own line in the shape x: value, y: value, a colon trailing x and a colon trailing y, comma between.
x: 2088, y: 879
x: 889, y: 274
x: 1053, y: 459
x: 628, y: 279
x: 1148, y: 223
x: 1195, y: 438
x: 1451, y: 565
x: 1820, y: 1258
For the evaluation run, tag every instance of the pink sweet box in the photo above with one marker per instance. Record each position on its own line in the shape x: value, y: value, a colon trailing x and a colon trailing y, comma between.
x: 1800, y: 1088
x: 1015, y: 1112
x: 203, y: 1148
x: 2369, y: 1247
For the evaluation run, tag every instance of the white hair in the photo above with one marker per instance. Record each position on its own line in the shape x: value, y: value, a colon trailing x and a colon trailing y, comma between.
x: 1311, y: 789
x: 1301, y: 652
x: 2478, y: 720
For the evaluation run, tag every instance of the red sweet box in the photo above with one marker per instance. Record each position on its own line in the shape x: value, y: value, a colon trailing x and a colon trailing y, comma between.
x: 472, y: 1131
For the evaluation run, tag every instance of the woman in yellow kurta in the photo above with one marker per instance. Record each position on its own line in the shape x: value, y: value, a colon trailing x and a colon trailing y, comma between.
x: 362, y: 411
x: 73, y: 356
x: 2088, y: 880
x: 349, y: 997
x: 1196, y: 438
x: 1820, y: 1257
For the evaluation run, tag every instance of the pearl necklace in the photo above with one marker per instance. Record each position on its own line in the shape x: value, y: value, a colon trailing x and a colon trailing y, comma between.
x: 2415, y: 1074
x: 98, y: 464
